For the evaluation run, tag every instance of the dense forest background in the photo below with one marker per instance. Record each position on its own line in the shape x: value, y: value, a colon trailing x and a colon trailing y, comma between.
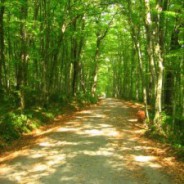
x: 54, y: 53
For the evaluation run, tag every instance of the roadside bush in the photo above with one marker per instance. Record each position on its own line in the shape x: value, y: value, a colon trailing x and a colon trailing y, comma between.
x: 12, y: 126
x: 86, y: 98
x: 172, y: 130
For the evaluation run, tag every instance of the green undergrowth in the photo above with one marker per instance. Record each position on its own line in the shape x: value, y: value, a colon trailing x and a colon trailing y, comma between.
x: 171, y: 131
x: 176, y: 146
x: 15, y: 122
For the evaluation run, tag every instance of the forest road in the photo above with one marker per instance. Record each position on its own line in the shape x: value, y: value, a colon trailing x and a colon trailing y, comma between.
x: 97, y: 146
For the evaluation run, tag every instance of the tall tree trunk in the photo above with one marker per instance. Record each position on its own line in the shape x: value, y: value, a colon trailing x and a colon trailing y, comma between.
x: 45, y: 42
x: 159, y: 56
x: 2, y: 57
x: 100, y: 36
x: 74, y: 54
x: 150, y: 50
x: 77, y: 44
x: 22, y: 69
x: 158, y: 101
x: 182, y: 86
x: 137, y: 46
x: 95, y: 69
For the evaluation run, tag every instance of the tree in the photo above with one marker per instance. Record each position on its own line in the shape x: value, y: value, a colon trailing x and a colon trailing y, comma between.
x: 2, y: 57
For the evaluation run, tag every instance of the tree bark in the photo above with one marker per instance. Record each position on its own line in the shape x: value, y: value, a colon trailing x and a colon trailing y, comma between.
x: 159, y: 56
x: 137, y: 46
x: 150, y: 49
x: 2, y: 57
x: 22, y: 68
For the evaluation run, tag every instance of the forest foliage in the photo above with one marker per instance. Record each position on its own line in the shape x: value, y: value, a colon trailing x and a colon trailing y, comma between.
x: 55, y: 52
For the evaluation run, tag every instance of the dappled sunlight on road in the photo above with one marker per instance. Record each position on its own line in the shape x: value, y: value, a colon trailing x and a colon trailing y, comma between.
x: 147, y: 160
x: 132, y: 120
x: 144, y: 158
x: 97, y: 146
